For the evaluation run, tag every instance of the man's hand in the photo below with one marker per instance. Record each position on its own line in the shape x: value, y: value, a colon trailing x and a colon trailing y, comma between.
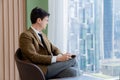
x: 64, y: 57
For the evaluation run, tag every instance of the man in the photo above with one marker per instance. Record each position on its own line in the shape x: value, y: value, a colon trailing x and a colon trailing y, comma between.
x: 36, y: 48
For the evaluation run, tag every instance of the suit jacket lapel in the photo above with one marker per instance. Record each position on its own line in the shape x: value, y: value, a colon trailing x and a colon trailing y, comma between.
x: 31, y: 30
x: 45, y: 40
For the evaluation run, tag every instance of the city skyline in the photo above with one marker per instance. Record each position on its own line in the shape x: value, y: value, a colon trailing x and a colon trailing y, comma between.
x: 93, y: 36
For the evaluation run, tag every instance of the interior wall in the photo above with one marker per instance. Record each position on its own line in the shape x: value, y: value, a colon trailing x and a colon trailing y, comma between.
x: 12, y: 23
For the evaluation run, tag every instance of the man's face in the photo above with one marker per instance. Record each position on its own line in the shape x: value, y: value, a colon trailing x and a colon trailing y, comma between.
x: 44, y: 22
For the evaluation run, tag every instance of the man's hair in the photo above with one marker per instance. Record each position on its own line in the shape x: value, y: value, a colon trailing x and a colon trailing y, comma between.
x: 38, y: 13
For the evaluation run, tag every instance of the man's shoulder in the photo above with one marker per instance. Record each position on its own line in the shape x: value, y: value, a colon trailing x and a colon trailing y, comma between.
x: 28, y: 32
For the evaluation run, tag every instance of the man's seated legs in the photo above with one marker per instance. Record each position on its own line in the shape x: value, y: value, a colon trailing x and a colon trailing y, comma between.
x: 60, y: 67
x: 69, y: 72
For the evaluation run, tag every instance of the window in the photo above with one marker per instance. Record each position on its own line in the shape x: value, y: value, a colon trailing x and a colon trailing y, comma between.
x: 91, y: 29
x: 93, y: 34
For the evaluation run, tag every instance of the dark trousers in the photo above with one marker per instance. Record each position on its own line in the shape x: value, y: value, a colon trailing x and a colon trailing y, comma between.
x: 62, y: 69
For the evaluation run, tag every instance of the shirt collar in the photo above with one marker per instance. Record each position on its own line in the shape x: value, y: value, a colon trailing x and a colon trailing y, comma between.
x: 36, y: 31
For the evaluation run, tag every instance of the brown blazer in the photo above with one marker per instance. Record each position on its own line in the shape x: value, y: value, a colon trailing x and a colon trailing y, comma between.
x: 33, y: 50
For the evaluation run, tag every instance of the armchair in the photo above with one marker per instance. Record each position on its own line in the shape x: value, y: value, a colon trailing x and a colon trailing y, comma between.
x: 27, y: 71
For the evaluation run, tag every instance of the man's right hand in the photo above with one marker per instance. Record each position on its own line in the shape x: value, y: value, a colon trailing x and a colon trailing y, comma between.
x: 64, y: 57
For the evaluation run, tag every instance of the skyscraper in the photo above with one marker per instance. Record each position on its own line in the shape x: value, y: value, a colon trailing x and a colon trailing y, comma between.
x: 108, y: 29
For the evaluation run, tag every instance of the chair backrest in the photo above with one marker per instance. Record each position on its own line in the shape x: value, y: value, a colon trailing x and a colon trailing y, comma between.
x: 27, y: 71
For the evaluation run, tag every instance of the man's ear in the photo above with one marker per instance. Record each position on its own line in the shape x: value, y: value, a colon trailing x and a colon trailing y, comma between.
x: 38, y: 20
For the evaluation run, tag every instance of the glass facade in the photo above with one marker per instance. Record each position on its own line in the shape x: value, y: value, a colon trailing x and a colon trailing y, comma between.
x: 94, y: 35
x: 108, y: 29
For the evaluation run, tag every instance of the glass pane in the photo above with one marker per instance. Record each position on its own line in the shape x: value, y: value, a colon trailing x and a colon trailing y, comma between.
x: 94, y: 36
